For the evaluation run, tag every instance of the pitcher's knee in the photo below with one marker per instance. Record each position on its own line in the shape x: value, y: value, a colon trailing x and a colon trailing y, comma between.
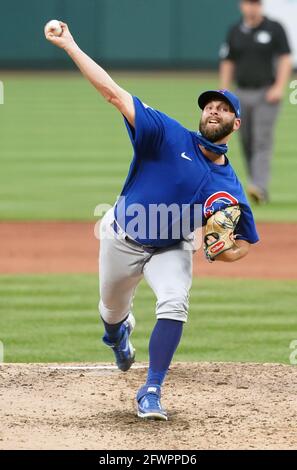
x: 112, y: 315
x: 175, y: 308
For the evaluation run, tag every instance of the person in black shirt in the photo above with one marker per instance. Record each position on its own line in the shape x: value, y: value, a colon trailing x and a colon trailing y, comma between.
x: 256, y: 55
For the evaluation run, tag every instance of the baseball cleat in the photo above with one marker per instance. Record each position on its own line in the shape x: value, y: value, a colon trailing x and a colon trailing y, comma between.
x: 123, y: 349
x: 148, y: 403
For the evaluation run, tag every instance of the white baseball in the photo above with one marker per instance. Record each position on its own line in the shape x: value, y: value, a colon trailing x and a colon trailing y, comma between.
x: 53, y: 27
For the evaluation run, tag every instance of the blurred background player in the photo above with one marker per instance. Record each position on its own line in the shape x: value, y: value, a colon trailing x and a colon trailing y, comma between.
x: 257, y: 56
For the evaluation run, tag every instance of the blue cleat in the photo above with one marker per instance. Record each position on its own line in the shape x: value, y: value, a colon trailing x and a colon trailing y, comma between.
x: 123, y: 349
x: 148, y: 402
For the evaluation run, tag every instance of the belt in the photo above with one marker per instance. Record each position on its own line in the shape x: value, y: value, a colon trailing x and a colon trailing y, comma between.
x: 148, y: 248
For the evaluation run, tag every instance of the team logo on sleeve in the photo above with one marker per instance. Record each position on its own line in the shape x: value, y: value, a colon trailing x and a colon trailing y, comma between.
x: 218, y: 201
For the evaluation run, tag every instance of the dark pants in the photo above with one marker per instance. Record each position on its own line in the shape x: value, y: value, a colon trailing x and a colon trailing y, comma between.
x: 257, y: 133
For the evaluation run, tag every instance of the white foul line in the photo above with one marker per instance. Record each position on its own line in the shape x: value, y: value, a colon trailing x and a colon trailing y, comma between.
x: 93, y: 367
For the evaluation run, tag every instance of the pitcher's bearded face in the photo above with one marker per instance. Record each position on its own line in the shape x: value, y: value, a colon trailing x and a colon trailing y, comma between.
x: 217, y: 121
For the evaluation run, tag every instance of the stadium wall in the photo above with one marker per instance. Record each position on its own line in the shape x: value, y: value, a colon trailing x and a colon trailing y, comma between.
x: 118, y: 33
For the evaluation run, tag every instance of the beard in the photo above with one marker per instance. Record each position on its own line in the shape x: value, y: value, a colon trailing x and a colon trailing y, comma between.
x: 218, y: 133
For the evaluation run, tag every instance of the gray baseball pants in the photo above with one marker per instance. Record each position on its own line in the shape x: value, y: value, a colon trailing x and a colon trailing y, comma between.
x: 257, y: 133
x: 122, y: 265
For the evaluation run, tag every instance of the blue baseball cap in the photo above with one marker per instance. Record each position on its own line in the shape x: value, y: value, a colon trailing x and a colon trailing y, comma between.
x: 225, y: 95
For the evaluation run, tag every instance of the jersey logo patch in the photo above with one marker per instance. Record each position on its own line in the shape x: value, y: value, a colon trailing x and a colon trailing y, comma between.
x: 217, y: 201
x: 263, y: 37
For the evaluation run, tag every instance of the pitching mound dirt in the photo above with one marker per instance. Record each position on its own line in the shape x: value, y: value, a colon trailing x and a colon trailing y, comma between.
x: 210, y: 406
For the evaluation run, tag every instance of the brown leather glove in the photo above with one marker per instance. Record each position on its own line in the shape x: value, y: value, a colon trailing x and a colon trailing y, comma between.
x: 219, y: 232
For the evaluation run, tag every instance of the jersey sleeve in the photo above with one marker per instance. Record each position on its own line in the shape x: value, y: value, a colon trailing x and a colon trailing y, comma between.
x: 149, y: 129
x: 246, y: 227
x: 281, y: 41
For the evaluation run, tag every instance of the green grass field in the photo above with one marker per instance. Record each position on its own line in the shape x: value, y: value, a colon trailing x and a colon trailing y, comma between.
x: 64, y: 150
x: 54, y: 318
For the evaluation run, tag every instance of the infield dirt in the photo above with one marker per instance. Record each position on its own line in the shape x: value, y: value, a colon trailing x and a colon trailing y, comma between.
x: 66, y: 247
x: 210, y: 406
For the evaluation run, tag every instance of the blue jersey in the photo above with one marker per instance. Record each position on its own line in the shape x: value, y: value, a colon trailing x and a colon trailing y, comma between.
x: 169, y: 169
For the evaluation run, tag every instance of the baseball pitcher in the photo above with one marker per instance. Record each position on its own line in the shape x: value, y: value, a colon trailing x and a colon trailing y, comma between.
x: 174, y: 168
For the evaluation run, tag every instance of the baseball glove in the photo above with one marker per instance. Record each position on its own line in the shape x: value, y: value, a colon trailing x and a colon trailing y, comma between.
x: 219, y: 232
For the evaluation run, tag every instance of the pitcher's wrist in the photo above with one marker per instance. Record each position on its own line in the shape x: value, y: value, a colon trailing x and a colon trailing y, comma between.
x: 71, y: 48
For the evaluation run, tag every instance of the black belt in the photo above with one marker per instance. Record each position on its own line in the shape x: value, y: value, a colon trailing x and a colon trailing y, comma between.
x: 148, y: 248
